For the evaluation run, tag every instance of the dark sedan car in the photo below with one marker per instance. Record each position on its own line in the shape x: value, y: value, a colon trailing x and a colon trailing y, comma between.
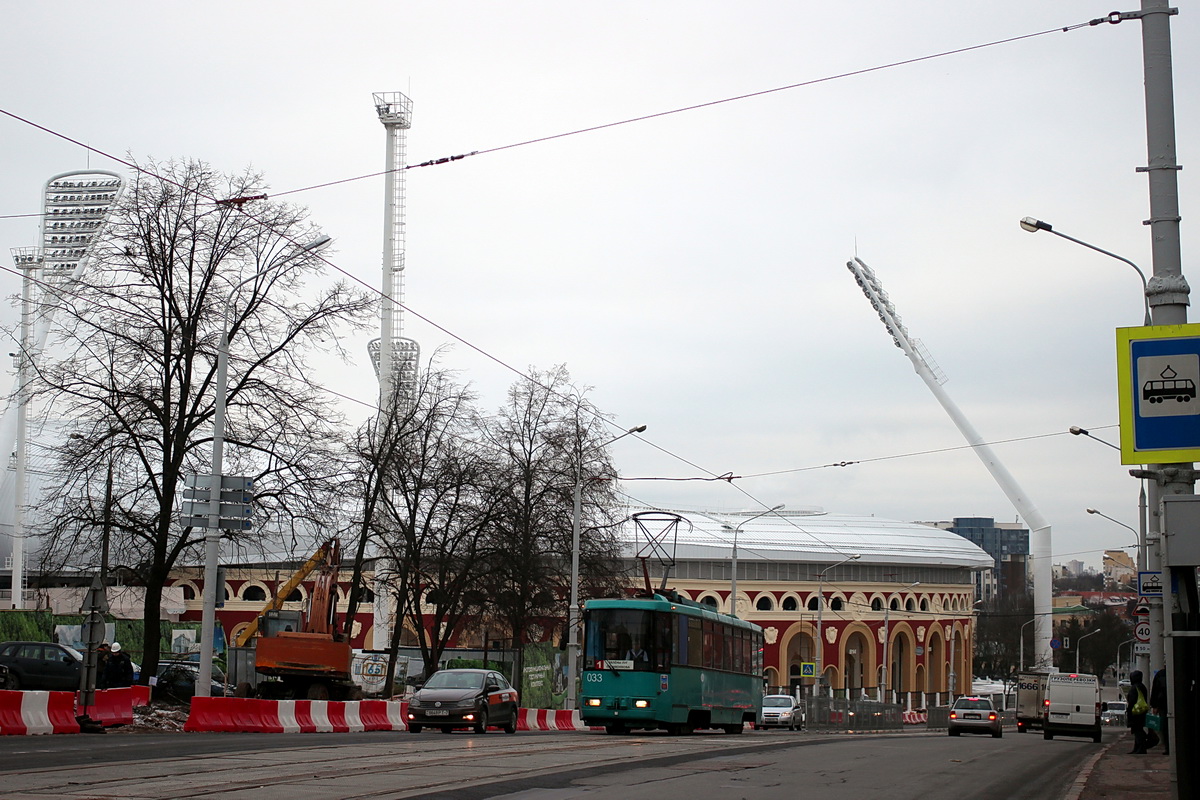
x: 464, y: 698
x: 41, y: 665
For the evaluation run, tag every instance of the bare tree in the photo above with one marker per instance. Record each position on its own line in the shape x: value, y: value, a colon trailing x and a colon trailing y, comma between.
x: 137, y: 384
x: 435, y: 513
x: 547, y: 434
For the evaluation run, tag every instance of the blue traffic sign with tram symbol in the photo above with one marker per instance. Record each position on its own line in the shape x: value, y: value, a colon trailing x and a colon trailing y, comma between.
x: 1158, y: 376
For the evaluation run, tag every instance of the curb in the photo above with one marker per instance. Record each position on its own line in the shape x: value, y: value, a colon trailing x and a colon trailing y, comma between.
x: 1080, y: 782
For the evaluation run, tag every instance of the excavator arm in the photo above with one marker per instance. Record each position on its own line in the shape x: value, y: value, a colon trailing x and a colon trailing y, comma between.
x: 320, y: 556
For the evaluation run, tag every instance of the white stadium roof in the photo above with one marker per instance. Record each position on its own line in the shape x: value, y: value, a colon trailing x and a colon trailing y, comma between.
x: 807, y: 536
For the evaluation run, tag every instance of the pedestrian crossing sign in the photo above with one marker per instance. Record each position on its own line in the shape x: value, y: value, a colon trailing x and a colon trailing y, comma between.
x: 808, y: 669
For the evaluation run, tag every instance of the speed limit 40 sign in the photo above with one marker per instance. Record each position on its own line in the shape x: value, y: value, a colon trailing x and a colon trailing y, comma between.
x: 1142, y: 631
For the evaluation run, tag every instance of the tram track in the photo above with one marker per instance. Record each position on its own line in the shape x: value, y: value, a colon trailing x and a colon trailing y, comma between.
x: 373, y: 771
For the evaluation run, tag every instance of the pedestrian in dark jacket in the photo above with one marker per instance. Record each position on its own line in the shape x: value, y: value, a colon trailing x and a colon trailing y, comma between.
x: 1158, y: 702
x: 119, y: 671
x: 1137, y: 721
x: 103, y: 654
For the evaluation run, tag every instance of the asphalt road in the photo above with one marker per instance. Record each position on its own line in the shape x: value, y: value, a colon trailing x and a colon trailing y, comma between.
x: 540, y: 766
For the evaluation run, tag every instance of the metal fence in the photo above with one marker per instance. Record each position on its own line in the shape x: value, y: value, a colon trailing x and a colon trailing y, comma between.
x: 852, y: 715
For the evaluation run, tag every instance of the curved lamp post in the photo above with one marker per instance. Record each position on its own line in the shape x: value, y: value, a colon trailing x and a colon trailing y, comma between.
x: 212, y: 534
x: 573, y: 610
x: 1079, y: 646
x: 821, y: 616
x: 733, y: 576
x: 1034, y: 225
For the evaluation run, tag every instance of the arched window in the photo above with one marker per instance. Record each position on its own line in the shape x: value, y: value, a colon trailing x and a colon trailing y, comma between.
x: 894, y: 605
x: 924, y: 604
x: 790, y: 604
x: 296, y: 596
x: 709, y: 600
x: 763, y: 603
x: 876, y: 604
x: 835, y: 604
x: 254, y: 594
x: 188, y: 592
x: 813, y: 603
x: 910, y: 605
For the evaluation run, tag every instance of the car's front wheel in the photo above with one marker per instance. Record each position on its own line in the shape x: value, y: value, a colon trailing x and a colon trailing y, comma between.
x: 511, y: 725
x: 481, y: 722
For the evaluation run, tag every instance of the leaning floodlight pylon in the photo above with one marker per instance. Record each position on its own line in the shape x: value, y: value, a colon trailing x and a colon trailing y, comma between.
x: 1039, y: 537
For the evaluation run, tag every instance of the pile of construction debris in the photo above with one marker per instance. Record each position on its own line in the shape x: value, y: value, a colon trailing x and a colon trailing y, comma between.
x: 155, y: 719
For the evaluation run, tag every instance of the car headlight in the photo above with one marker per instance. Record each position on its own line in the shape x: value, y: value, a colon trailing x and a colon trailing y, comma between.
x: 468, y: 703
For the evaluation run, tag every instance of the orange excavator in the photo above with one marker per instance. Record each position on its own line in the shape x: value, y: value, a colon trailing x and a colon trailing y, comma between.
x: 312, y: 662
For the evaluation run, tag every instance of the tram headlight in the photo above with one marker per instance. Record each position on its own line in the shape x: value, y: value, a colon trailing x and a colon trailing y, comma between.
x: 593, y: 701
x: 641, y: 703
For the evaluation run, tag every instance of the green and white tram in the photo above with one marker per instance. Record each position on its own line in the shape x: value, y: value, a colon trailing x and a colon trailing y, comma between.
x: 664, y: 662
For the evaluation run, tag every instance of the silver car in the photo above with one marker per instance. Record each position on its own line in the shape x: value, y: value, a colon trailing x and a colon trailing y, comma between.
x: 1114, y: 713
x: 975, y: 715
x: 781, y: 711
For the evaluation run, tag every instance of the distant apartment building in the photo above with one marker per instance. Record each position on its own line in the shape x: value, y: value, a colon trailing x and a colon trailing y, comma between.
x: 1008, y: 545
x: 1075, y: 568
x: 1119, y: 569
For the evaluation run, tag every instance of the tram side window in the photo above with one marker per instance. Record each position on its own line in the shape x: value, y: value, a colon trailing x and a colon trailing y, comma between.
x: 695, y: 655
x: 660, y: 658
x: 726, y: 647
x: 758, y: 653
x: 680, y: 654
x: 748, y: 653
x: 710, y: 645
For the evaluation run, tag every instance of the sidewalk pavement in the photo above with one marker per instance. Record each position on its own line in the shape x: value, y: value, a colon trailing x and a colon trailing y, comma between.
x: 1115, y: 774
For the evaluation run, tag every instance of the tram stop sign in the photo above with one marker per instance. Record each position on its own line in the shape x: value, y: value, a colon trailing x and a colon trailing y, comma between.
x: 1158, y: 373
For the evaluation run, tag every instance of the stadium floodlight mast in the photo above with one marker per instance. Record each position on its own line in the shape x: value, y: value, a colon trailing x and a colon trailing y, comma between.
x: 1039, y: 539
x: 733, y: 573
x: 573, y: 611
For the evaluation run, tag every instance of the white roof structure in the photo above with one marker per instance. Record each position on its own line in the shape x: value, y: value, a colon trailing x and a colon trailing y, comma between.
x: 808, y: 535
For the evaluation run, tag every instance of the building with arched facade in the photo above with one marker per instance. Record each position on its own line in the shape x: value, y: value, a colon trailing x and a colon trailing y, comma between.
x: 872, y: 591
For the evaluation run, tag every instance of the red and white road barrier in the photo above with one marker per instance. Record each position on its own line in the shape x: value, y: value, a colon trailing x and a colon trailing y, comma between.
x: 115, y: 706
x: 251, y: 715
x: 29, y: 713
x: 915, y: 717
x: 548, y: 719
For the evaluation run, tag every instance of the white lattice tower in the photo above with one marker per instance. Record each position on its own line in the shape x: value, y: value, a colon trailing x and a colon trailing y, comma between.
x: 395, y: 112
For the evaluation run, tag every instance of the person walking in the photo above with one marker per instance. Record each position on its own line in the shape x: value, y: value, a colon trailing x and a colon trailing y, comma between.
x: 1137, y: 704
x: 1158, y: 702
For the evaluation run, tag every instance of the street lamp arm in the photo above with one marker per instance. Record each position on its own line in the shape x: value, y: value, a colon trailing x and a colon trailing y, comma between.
x: 1034, y: 225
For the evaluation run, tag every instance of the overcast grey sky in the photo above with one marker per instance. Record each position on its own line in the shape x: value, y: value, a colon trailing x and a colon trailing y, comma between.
x: 690, y: 267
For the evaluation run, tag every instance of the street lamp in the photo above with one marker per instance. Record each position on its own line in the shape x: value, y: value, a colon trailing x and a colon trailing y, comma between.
x: 573, y: 610
x: 1079, y: 646
x: 212, y: 534
x: 1141, y: 545
x: 887, y: 607
x: 1021, y: 659
x: 1034, y: 225
x: 733, y: 577
x: 1118, y: 664
x: 821, y: 616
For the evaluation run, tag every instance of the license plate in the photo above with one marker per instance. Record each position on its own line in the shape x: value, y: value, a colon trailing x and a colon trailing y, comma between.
x: 438, y: 712
x: 970, y: 716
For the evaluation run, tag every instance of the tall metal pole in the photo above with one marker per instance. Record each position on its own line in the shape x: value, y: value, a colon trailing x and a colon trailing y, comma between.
x: 1168, y: 291
x: 821, y: 619
x: 733, y: 576
x: 573, y: 609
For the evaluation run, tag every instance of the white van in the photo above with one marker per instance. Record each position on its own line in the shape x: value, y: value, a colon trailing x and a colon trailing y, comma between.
x: 1031, y: 700
x: 1072, y: 706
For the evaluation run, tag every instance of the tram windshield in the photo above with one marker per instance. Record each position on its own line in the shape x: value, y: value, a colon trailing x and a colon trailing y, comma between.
x: 627, y: 639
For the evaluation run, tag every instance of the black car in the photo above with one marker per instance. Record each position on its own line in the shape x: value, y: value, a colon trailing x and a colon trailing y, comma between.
x: 464, y: 698
x: 41, y: 665
x: 177, y: 680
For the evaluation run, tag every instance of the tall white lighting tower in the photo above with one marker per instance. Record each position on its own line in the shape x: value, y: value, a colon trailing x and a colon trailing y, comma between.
x: 75, y: 208
x: 394, y: 357
x: 1039, y: 537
